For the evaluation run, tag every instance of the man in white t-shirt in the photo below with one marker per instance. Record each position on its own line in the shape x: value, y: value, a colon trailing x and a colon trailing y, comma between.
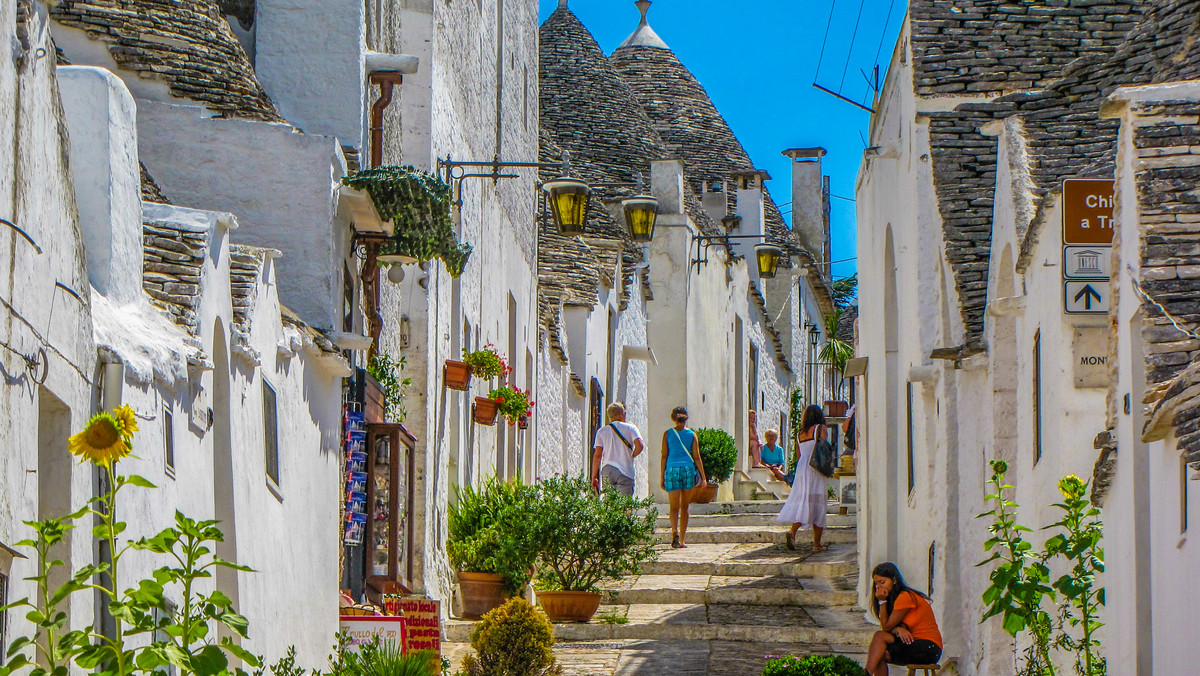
x: 617, y: 444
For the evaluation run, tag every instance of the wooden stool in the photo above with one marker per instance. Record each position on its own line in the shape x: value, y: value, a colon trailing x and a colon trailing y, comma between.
x: 925, y: 669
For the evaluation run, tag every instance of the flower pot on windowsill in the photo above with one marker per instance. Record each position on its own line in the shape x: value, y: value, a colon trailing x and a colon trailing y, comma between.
x: 704, y: 494
x: 569, y: 606
x: 485, y: 411
x: 480, y: 593
x: 836, y: 409
x: 457, y: 375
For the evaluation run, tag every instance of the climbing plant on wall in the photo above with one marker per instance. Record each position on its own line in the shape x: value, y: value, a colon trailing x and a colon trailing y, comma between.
x: 418, y: 205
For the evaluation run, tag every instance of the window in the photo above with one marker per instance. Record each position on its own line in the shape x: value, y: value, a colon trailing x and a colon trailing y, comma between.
x: 1183, y: 494
x: 1037, y: 396
x: 753, y: 384
x: 912, y: 470
x: 3, y: 614
x: 169, y: 440
x: 932, y: 560
x: 271, y: 432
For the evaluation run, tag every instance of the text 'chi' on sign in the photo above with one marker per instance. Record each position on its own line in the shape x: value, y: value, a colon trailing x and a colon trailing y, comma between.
x: 1088, y: 211
x: 1085, y: 297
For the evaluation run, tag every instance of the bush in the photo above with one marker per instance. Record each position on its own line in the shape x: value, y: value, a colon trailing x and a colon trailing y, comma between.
x: 814, y: 665
x: 383, y: 659
x: 583, y: 538
x: 718, y: 451
x: 486, y: 531
x: 512, y: 640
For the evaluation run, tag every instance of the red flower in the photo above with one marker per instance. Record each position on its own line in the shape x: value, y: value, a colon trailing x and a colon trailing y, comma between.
x: 499, y: 400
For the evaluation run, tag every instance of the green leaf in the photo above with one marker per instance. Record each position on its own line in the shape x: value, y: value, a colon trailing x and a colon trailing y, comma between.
x: 209, y: 661
x: 139, y: 481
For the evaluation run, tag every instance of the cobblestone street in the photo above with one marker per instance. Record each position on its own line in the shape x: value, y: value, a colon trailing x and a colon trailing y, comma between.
x: 717, y: 608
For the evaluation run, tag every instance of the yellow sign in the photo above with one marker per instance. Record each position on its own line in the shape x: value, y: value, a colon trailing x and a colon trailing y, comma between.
x: 1088, y: 211
x: 423, y: 624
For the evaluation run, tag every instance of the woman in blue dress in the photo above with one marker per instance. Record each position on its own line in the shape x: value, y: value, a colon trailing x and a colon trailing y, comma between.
x: 771, y: 453
x: 682, y: 472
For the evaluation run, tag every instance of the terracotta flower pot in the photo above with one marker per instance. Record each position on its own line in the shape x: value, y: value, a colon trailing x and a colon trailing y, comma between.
x: 569, y: 606
x: 457, y: 375
x: 480, y: 592
x: 836, y: 409
x: 704, y: 494
x: 485, y: 411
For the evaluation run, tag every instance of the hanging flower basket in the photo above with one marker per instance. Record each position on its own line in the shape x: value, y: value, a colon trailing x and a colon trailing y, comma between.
x: 457, y: 375
x: 485, y: 411
x: 512, y: 402
x: 486, y: 362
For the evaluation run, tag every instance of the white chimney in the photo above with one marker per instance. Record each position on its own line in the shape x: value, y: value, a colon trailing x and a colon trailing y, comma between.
x: 102, y: 123
x: 810, y: 213
x: 666, y: 183
x: 752, y: 219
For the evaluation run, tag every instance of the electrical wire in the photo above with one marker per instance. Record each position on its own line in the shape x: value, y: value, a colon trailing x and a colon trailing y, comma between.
x: 853, y: 37
x: 1190, y: 333
x: 825, y: 40
x: 883, y: 36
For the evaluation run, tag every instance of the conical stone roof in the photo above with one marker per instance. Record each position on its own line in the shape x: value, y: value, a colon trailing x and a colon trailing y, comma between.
x: 186, y: 43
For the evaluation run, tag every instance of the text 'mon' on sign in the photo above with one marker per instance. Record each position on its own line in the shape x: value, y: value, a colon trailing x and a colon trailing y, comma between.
x: 1088, y: 211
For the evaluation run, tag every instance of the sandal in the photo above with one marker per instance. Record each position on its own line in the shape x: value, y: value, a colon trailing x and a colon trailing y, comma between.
x: 675, y: 543
x: 791, y: 541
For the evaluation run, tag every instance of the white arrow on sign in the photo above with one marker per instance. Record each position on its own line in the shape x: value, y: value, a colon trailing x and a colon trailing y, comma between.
x: 1085, y: 297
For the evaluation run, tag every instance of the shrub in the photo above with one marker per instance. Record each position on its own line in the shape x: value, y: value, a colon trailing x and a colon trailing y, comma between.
x: 486, y: 531
x: 512, y: 640
x: 383, y: 658
x: 814, y: 665
x: 388, y: 372
x: 584, y: 538
x: 486, y: 362
x: 718, y: 451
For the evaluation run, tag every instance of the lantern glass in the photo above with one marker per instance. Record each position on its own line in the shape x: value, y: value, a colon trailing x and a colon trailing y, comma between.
x: 768, y: 259
x: 641, y: 212
x: 814, y: 336
x: 568, y: 203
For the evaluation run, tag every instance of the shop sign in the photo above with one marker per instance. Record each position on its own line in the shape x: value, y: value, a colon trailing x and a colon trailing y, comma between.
x: 1088, y: 211
x: 423, y: 621
x: 363, y: 629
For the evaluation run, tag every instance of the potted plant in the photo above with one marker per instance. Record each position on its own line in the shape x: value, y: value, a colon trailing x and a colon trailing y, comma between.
x: 485, y: 411
x: 485, y: 363
x: 487, y: 544
x: 512, y: 403
x: 583, y: 539
x: 836, y: 352
x: 718, y: 452
x: 814, y: 665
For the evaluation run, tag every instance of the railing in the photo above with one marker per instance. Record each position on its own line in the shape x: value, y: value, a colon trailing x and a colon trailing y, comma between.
x: 826, y: 383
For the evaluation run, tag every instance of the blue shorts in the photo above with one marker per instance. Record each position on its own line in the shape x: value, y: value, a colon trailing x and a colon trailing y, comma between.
x: 680, y: 478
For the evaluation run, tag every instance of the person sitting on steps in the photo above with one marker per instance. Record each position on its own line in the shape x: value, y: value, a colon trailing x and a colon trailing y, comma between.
x: 771, y: 452
x: 908, y: 632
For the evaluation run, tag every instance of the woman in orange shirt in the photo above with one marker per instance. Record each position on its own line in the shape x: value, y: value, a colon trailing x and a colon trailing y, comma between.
x: 908, y: 632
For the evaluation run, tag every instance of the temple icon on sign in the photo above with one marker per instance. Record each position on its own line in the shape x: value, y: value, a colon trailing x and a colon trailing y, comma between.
x: 1087, y: 261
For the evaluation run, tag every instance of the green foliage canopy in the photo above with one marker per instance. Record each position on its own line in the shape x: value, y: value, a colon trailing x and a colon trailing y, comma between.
x: 718, y: 451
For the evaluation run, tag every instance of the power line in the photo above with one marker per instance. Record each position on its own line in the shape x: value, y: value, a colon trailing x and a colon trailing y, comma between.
x: 886, y: 20
x: 824, y: 41
x: 853, y: 37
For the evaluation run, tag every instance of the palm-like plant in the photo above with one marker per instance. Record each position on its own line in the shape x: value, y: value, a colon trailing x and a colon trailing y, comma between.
x: 835, y: 351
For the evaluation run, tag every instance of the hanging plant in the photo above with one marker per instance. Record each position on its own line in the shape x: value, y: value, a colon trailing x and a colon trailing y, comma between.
x: 486, y: 362
x: 512, y: 402
x: 418, y: 205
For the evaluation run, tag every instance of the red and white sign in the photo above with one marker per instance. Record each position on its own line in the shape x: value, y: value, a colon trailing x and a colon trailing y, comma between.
x: 363, y: 628
x: 423, y: 623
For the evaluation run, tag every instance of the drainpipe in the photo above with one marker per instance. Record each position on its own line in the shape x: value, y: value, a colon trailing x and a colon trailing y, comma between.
x: 370, y: 270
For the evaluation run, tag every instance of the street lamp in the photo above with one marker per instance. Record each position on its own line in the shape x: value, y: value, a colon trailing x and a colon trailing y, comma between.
x: 767, y: 256
x: 568, y: 202
x: 814, y: 335
x: 641, y: 213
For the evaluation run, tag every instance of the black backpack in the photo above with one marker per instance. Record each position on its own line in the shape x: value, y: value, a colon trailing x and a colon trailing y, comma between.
x: 824, y: 458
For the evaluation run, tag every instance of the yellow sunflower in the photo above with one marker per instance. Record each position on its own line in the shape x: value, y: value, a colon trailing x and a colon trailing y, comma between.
x: 101, y: 441
x: 126, y: 420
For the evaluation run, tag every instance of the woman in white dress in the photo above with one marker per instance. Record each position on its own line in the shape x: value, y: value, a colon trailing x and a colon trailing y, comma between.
x: 807, y: 501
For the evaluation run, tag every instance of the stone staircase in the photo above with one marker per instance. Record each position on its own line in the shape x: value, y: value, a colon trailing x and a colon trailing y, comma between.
x: 718, y: 607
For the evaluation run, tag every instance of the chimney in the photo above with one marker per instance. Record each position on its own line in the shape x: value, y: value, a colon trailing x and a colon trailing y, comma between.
x: 715, y: 201
x: 752, y: 219
x: 810, y: 208
x: 666, y: 183
x: 101, y: 120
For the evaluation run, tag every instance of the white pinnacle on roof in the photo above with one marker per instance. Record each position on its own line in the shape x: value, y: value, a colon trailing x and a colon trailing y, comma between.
x: 644, y: 36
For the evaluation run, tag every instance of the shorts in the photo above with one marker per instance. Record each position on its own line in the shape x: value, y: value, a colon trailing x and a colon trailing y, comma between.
x: 680, y: 478
x: 920, y: 651
x: 611, y: 476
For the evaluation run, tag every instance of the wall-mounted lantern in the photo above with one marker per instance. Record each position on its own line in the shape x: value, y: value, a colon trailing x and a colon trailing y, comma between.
x: 641, y: 213
x: 767, y: 256
x: 814, y: 335
x: 568, y: 203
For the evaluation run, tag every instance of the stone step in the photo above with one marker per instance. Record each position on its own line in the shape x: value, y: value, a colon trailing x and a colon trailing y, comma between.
x: 682, y: 622
x: 734, y: 534
x: 745, y: 507
x: 749, y: 519
x: 718, y: 589
x: 755, y: 560
x: 627, y: 657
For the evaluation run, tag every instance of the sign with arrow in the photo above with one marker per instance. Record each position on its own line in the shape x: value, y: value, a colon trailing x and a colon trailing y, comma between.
x: 1086, y: 297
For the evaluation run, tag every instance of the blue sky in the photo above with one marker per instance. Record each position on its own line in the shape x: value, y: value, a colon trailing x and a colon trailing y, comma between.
x: 758, y: 60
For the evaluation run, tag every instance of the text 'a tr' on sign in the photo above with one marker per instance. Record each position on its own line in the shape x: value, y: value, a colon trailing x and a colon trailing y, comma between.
x: 1088, y: 211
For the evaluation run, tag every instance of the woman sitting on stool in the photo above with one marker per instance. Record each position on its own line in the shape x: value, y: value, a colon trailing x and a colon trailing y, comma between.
x: 908, y: 631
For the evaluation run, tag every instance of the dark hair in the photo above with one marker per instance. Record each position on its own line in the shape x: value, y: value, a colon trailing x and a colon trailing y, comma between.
x: 813, y: 416
x: 678, y: 410
x: 890, y: 571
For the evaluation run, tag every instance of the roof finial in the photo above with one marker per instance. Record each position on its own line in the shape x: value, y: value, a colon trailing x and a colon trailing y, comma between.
x: 644, y: 6
x: 562, y: 4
